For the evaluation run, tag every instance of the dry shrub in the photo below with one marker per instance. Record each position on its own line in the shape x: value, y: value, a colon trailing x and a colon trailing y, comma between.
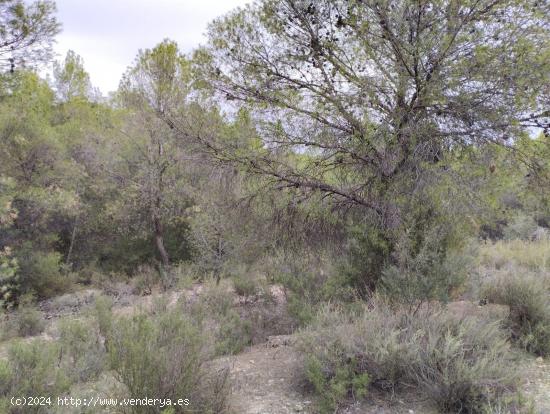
x: 227, y: 332
x: 517, y: 274
x: 145, y: 279
x: 32, y: 369
x: 82, y: 349
x: 29, y: 321
x: 459, y: 363
x: 26, y: 321
x: 528, y: 297
x: 165, y: 355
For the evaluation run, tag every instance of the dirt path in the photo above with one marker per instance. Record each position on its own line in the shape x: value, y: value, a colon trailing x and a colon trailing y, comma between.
x: 537, y: 387
x: 266, y: 380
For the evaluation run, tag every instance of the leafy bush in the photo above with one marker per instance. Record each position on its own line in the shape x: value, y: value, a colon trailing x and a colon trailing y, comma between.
x: 368, y: 251
x: 29, y: 321
x: 165, y: 356
x: 82, y: 349
x: 215, y: 299
x: 232, y: 335
x: 41, y: 273
x: 335, y: 387
x: 228, y: 332
x: 424, y: 272
x: 308, y: 280
x: 9, y: 279
x: 32, y: 370
x: 301, y: 309
x: 181, y: 276
x: 250, y: 287
x: 460, y: 364
x: 26, y: 321
x: 465, y: 365
x: 528, y: 297
x: 184, y: 275
x: 103, y: 307
x: 246, y: 287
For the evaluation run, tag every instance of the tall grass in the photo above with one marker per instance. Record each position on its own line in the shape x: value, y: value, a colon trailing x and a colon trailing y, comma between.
x: 517, y: 274
x: 532, y: 255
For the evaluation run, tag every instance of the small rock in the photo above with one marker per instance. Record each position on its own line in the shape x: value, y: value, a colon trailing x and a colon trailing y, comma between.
x: 540, y: 360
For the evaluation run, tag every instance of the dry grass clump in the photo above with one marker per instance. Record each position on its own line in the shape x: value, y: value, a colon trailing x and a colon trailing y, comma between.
x: 532, y: 255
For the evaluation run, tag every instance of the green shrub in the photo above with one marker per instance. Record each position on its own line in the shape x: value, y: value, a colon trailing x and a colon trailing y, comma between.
x: 245, y: 287
x: 304, y: 293
x: 32, y: 370
x: 9, y: 279
x: 103, y: 307
x: 184, y: 275
x: 181, y: 276
x: 166, y: 356
x: 528, y: 297
x: 5, y: 386
x: 308, y: 281
x: 424, y: 272
x: 300, y: 309
x: 41, y: 273
x: 516, y: 403
x: 335, y: 387
x: 460, y: 364
x: 216, y: 299
x: 367, y: 252
x: 82, y: 349
x: 232, y: 335
x: 29, y: 322
x: 227, y: 332
x: 145, y: 279
x: 465, y: 365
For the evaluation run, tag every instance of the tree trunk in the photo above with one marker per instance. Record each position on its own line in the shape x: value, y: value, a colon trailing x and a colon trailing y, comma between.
x: 159, y: 241
x: 71, y: 246
x: 159, y: 233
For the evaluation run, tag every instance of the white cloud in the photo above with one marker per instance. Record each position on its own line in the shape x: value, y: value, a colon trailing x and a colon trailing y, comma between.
x: 108, y: 34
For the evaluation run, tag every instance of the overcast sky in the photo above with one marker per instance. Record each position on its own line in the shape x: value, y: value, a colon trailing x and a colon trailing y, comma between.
x: 109, y: 33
